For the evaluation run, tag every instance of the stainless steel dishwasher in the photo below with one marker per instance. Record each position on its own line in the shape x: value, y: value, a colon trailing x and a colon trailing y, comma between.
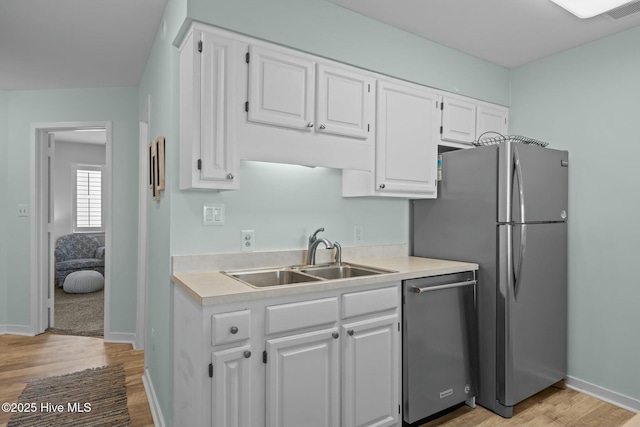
x: 439, y: 344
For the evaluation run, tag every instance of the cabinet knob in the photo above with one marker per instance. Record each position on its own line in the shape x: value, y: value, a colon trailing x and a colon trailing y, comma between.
x: 335, y: 335
x: 382, y: 186
x: 229, y: 176
x: 234, y: 330
x: 247, y: 354
x: 310, y: 124
x: 350, y: 332
x: 322, y: 126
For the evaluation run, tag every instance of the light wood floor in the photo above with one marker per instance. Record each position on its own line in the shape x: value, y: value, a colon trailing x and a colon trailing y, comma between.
x: 556, y: 406
x: 26, y: 358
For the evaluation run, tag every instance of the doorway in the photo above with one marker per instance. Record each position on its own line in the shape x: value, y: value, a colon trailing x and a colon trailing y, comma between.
x: 50, y: 220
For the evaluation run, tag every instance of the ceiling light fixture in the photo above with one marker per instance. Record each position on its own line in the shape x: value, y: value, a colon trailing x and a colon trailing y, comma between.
x: 590, y: 8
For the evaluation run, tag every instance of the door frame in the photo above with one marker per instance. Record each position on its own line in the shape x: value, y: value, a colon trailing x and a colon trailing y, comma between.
x: 42, y: 255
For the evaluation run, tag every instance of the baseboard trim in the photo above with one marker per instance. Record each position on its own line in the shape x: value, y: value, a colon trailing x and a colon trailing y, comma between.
x: 17, y: 330
x: 120, y: 337
x: 154, y: 405
x: 609, y: 396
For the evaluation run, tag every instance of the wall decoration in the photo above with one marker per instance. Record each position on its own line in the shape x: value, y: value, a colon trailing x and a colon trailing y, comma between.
x: 156, y: 166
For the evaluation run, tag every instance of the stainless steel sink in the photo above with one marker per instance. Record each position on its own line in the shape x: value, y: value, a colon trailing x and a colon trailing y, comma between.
x: 265, y: 278
x: 262, y: 278
x: 343, y: 271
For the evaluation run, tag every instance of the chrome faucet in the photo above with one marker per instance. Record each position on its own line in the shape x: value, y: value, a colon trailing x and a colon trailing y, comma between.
x: 313, y: 246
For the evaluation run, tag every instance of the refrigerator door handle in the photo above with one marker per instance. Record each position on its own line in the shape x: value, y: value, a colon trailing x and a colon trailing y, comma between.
x: 523, y: 227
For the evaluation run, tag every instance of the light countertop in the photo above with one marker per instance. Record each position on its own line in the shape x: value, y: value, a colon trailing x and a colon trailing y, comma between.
x: 213, y: 287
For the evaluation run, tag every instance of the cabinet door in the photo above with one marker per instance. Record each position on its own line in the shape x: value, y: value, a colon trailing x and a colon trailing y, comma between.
x: 342, y: 104
x: 458, y: 120
x: 406, y: 145
x: 371, y: 373
x: 216, y: 149
x: 492, y: 119
x: 302, y: 380
x: 231, y: 387
x: 281, y: 89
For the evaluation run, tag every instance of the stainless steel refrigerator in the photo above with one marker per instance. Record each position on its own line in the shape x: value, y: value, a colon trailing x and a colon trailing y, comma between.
x: 505, y: 208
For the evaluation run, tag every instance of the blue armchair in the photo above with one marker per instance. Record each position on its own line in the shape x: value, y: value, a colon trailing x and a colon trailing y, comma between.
x: 75, y: 252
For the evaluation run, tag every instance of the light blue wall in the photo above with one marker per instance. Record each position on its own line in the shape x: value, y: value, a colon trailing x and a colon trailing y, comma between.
x: 4, y: 207
x: 322, y: 28
x: 117, y: 105
x: 587, y: 100
x: 160, y: 85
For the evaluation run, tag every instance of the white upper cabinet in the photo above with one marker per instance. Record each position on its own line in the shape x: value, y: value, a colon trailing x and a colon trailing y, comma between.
x: 208, y: 157
x: 304, y: 110
x: 492, y: 118
x: 406, y: 148
x: 343, y: 102
x: 458, y: 120
x: 281, y: 89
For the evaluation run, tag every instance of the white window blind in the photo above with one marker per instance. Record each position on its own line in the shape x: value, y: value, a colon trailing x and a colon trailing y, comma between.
x: 88, y: 199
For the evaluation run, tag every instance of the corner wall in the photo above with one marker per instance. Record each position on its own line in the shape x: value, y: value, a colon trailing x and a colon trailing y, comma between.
x: 586, y: 100
x: 117, y: 105
x: 4, y: 207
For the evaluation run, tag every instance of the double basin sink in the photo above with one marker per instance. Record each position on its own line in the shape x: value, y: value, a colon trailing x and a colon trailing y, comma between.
x: 293, y: 275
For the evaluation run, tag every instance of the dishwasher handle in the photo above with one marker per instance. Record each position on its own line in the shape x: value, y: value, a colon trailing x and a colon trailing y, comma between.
x: 418, y: 290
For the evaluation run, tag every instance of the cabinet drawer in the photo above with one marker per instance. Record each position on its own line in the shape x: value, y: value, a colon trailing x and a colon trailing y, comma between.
x: 230, y: 327
x: 299, y: 315
x: 365, y: 302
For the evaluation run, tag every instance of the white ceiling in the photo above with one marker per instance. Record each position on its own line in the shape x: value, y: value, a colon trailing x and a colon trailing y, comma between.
x: 61, y: 44
x: 506, y: 32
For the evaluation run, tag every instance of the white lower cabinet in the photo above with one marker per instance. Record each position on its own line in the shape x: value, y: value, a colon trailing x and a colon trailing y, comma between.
x: 231, y: 387
x: 370, y: 375
x: 321, y: 359
x: 302, y: 380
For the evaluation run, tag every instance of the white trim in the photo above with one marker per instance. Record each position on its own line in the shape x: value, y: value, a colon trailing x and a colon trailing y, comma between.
x: 120, y: 338
x: 152, y: 398
x: 143, y: 239
x: 39, y: 249
x: 604, y: 394
x: 17, y: 330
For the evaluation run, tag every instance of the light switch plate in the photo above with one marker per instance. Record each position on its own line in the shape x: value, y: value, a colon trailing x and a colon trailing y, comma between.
x: 213, y: 215
x: 23, y: 210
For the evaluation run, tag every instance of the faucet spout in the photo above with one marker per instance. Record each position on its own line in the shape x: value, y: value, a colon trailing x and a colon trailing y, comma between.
x: 313, y: 246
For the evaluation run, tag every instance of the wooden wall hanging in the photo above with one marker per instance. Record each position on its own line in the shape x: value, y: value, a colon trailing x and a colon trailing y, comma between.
x: 156, y: 166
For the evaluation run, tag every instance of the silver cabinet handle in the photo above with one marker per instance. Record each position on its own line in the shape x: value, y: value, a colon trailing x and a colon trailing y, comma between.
x: 229, y: 176
x: 310, y: 124
x: 335, y: 335
x: 350, y: 332
x: 247, y: 354
x: 382, y: 186
x: 322, y: 126
x: 234, y: 330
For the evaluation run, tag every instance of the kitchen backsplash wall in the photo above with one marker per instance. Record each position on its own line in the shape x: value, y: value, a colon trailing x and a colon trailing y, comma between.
x: 284, y: 204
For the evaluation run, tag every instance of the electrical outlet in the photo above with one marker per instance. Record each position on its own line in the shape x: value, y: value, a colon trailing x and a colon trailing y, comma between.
x: 23, y: 210
x: 357, y: 234
x: 248, y: 240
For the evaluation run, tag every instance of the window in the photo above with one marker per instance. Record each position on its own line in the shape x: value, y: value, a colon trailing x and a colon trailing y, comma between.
x: 87, y: 198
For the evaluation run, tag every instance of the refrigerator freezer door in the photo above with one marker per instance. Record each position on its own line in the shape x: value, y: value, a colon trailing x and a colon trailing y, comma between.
x: 532, y: 323
x: 536, y: 179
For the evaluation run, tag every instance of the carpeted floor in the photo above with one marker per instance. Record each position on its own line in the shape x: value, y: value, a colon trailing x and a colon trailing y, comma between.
x: 94, y: 397
x: 78, y: 314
